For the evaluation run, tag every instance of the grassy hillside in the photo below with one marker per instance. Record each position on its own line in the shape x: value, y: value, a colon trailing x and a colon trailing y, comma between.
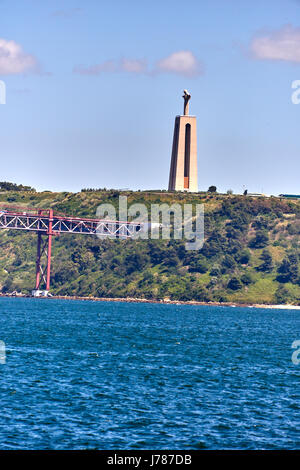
x: 250, y: 253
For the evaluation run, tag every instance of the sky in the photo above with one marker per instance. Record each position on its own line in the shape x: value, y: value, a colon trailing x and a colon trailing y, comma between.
x: 93, y: 88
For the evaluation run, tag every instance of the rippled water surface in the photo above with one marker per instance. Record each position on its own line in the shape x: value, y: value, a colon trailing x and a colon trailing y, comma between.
x: 105, y: 375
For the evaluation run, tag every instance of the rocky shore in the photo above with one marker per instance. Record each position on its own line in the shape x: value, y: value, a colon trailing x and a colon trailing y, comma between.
x: 152, y: 301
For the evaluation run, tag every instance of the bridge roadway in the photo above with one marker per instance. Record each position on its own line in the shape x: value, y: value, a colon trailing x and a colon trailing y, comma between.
x: 41, y: 220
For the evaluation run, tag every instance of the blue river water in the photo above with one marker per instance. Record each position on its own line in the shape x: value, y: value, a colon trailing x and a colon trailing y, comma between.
x: 110, y: 375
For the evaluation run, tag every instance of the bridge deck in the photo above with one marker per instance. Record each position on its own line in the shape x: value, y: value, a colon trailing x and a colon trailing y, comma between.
x: 39, y: 221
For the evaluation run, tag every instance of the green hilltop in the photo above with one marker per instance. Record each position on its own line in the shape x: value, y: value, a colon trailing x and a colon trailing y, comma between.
x: 250, y: 254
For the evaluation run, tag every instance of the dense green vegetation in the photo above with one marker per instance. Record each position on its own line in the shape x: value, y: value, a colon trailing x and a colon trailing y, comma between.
x: 250, y: 253
x: 6, y: 186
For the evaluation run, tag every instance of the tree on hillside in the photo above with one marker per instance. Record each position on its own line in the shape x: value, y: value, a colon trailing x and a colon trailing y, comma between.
x: 261, y: 223
x: 212, y: 189
x: 234, y: 284
x: 8, y: 285
x: 198, y: 266
x: 232, y: 232
x: 135, y: 262
x: 215, y: 244
x: 288, y: 270
x: 282, y: 295
x: 228, y: 263
x: 83, y: 258
x: 156, y: 251
x: 247, y: 279
x: 240, y: 221
x: 6, y: 186
x: 244, y: 257
x: 260, y: 240
x: 65, y: 272
x: 171, y: 259
x: 215, y: 270
x: 267, y: 262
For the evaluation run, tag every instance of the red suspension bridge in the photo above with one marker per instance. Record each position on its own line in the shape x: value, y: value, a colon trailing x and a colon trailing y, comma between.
x: 47, y: 224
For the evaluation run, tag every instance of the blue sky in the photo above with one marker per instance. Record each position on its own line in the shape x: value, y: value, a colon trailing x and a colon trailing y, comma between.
x: 92, y: 90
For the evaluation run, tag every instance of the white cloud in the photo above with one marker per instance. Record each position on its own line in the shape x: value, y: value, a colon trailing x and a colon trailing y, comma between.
x: 13, y: 60
x: 282, y: 44
x: 181, y: 63
x: 134, y: 65
x: 113, y: 66
x: 97, y: 69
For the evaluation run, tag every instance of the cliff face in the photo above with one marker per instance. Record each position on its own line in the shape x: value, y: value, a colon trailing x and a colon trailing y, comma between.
x: 250, y: 252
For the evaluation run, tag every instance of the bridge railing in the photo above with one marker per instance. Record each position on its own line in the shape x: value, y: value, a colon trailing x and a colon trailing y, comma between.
x: 73, y: 225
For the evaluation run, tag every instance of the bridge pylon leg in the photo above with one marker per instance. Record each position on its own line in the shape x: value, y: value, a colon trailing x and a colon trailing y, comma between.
x: 43, y: 261
x: 49, y: 251
x: 38, y: 261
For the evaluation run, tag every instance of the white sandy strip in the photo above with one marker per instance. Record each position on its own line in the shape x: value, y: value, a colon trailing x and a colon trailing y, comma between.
x: 283, y: 307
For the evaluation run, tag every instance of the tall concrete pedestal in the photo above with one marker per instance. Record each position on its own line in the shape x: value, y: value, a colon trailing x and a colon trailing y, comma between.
x: 183, y: 170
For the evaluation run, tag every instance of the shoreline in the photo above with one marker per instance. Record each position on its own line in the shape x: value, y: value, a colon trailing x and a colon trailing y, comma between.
x: 162, y: 302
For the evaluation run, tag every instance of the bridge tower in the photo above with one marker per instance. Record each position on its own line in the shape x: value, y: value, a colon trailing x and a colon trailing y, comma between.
x: 43, y: 259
